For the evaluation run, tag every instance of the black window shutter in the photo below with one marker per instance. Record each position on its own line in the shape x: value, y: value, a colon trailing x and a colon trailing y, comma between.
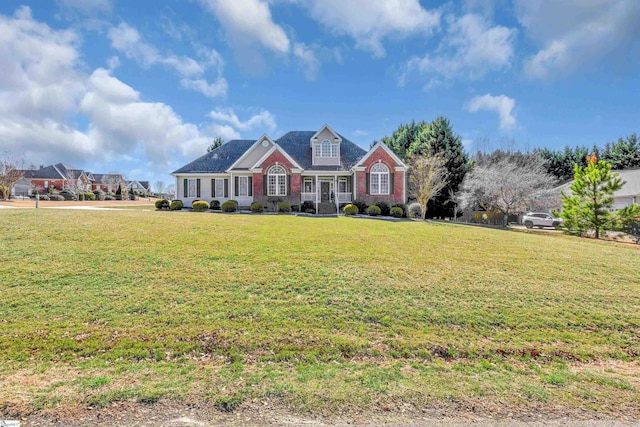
x: 391, y: 186
x: 288, y: 185
x: 186, y: 187
x: 250, y: 185
x: 368, y: 184
x: 198, y: 187
x: 226, y: 188
x: 265, y: 185
x: 213, y: 188
x: 235, y: 186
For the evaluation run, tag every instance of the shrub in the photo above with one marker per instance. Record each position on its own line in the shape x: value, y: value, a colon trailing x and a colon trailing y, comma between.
x: 373, y: 210
x: 109, y: 197
x: 56, y: 197
x: 134, y: 196
x: 362, y: 206
x: 88, y: 195
x: 44, y: 197
x: 176, y: 205
x: 384, y: 208
x: 215, y: 205
x: 284, y: 207
x: 99, y: 194
x: 397, y: 212
x: 295, y: 208
x: 413, y: 211
x: 68, y: 195
x: 351, y: 209
x: 230, y: 206
x: 256, y: 207
x: 162, y: 204
x: 200, y: 206
x: 308, y: 206
x: 81, y: 196
x: 401, y: 206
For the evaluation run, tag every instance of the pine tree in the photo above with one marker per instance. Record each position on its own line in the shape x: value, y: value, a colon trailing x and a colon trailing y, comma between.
x: 588, y: 206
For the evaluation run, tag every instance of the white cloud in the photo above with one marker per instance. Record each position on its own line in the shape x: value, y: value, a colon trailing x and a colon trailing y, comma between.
x: 249, y: 22
x: 127, y: 40
x: 87, y: 6
x: 471, y: 48
x: 501, y: 104
x: 226, y: 132
x: 308, y: 61
x: 264, y: 120
x: 360, y: 132
x: 574, y: 33
x: 369, y: 23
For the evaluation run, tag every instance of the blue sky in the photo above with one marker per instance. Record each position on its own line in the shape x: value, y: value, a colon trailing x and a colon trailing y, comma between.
x: 141, y: 87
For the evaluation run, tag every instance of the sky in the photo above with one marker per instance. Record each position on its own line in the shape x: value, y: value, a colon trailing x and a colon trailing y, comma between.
x: 142, y: 87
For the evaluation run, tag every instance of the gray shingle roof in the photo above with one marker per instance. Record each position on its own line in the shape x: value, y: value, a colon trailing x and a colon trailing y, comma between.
x: 218, y: 160
x: 49, y: 172
x: 295, y: 143
x: 630, y: 188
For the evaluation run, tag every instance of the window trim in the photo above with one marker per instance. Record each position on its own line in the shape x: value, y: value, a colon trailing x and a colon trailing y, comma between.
x: 246, y: 180
x: 377, y: 173
x: 279, y: 185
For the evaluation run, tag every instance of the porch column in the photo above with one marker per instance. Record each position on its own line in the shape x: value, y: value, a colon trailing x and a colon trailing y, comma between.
x: 317, y: 189
x: 335, y: 193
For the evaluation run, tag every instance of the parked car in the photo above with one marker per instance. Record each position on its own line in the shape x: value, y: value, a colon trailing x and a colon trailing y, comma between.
x: 540, y: 219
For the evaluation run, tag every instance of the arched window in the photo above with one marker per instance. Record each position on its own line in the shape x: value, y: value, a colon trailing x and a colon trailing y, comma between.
x: 277, y: 181
x: 325, y: 148
x: 379, y: 177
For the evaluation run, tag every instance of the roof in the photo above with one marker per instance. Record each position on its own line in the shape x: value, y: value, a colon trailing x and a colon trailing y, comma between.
x: 107, y: 178
x: 49, y: 172
x: 630, y: 188
x: 218, y: 160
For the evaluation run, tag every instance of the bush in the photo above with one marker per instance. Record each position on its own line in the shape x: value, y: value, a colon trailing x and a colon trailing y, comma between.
x: 295, y: 208
x: 308, y: 206
x: 384, y: 208
x: 401, y: 206
x: 351, y: 209
x: 284, y: 207
x: 413, y: 211
x: 162, y: 204
x: 256, y: 207
x: 44, y: 197
x: 215, y: 205
x: 633, y: 230
x: 134, y: 196
x: 397, y: 212
x: 68, y: 195
x: 98, y: 194
x: 88, y: 195
x: 56, y: 197
x: 230, y: 206
x: 362, y: 206
x: 200, y: 206
x: 109, y: 197
x: 81, y: 197
x: 373, y: 210
x: 176, y: 205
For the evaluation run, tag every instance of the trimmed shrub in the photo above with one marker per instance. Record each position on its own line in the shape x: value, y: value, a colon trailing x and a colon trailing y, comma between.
x: 397, y: 212
x: 256, y: 207
x: 215, y: 205
x: 99, y: 194
x: 384, y: 208
x: 401, y: 206
x: 413, y: 211
x: 176, y: 205
x: 109, y: 197
x: 295, y: 208
x: 200, y: 206
x: 162, y: 204
x: 81, y: 197
x: 308, y: 206
x: 56, y: 197
x: 362, y: 206
x: 284, y: 207
x: 68, y: 195
x: 230, y: 206
x: 88, y: 195
x: 351, y: 209
x: 373, y: 210
x: 44, y: 197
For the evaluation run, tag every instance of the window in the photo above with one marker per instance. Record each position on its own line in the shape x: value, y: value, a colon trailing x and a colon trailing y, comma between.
x: 308, y: 185
x: 325, y: 149
x: 219, y: 192
x: 243, y: 186
x: 379, y: 179
x: 191, y: 187
x: 342, y: 185
x: 277, y: 181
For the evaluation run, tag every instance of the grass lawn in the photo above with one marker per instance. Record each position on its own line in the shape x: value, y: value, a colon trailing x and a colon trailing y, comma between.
x: 316, y: 314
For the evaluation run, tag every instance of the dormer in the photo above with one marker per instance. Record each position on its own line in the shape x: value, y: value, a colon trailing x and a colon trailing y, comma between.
x: 325, y: 147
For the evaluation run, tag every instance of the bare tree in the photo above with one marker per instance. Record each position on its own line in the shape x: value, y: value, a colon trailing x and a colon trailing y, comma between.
x: 171, y: 190
x: 10, y: 174
x: 427, y: 177
x: 73, y: 182
x: 159, y: 187
x: 507, y: 186
x: 113, y: 180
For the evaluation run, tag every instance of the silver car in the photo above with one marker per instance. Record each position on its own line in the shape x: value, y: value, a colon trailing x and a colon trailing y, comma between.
x: 540, y: 219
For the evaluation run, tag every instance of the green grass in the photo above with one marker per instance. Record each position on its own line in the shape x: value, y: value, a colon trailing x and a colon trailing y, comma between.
x: 317, y: 313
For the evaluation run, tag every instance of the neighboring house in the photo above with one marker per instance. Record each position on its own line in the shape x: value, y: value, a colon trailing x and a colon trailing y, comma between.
x: 23, y: 187
x: 107, y: 182
x: 626, y: 196
x: 58, y: 176
x: 322, y: 167
x: 140, y: 186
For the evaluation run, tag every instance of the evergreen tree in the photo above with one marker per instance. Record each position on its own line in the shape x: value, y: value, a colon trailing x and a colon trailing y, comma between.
x: 588, y: 205
x: 623, y: 154
x: 216, y: 143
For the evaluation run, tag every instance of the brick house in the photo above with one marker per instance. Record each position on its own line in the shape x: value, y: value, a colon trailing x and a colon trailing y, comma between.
x: 322, y: 167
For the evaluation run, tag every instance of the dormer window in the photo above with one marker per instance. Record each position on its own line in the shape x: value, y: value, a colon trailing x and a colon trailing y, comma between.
x: 326, y: 149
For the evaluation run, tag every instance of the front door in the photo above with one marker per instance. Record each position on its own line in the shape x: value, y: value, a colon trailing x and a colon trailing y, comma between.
x: 325, y: 191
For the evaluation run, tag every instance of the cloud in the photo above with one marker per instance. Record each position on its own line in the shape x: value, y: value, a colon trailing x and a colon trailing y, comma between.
x: 87, y: 6
x: 263, y: 120
x: 471, y: 48
x: 249, y: 22
x: 501, y: 104
x: 307, y: 60
x: 575, y: 33
x: 359, y: 132
x: 127, y: 40
x: 369, y: 23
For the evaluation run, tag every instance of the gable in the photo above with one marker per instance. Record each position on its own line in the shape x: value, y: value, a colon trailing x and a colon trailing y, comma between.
x: 380, y: 152
x: 254, y: 153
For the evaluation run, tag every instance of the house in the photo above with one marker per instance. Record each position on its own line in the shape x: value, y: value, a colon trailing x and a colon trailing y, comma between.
x: 321, y: 166
x: 58, y: 176
x: 139, y: 186
x: 107, y: 182
x: 626, y: 196
x: 23, y: 188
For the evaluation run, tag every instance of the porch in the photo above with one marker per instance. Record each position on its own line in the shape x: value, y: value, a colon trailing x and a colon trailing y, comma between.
x: 321, y: 189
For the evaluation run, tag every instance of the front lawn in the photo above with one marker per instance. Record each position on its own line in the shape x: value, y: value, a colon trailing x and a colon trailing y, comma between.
x: 312, y: 314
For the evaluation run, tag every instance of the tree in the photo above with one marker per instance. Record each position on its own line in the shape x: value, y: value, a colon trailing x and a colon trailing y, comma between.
x: 10, y: 174
x: 217, y: 142
x: 437, y: 137
x: 427, y: 178
x: 509, y: 185
x: 588, y: 206
x: 623, y: 154
x: 159, y: 187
